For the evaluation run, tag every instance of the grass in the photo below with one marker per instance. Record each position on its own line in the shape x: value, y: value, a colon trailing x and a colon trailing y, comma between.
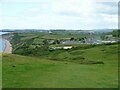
x: 32, y: 72
x: 0, y: 71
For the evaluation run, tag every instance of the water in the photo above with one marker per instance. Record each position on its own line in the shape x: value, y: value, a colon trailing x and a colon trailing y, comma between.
x: 2, y: 45
x: 2, y: 42
x: 3, y: 33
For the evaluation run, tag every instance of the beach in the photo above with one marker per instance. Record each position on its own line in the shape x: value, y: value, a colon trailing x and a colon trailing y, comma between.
x: 8, y: 47
x: 5, y: 45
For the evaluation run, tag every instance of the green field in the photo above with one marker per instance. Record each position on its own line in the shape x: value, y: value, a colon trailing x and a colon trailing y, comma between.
x: 62, y: 69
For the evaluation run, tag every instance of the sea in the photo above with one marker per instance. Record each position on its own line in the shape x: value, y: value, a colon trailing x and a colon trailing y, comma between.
x: 2, y: 42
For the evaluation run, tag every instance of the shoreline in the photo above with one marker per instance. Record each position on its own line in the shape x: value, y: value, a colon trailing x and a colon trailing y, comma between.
x: 8, y: 47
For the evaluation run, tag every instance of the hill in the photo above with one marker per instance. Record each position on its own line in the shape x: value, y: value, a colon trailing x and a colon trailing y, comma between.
x: 46, y: 72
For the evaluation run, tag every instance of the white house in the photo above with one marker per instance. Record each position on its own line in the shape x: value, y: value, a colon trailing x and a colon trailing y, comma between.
x: 64, y: 47
x: 67, y: 47
x: 108, y: 41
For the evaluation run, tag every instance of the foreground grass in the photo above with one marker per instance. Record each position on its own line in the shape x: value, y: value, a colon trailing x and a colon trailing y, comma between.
x: 0, y: 71
x: 30, y: 72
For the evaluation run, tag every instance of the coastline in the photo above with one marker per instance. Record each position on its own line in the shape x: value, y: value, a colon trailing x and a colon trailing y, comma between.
x: 8, y: 47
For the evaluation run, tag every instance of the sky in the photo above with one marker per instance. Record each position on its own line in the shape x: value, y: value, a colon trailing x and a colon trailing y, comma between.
x: 58, y: 14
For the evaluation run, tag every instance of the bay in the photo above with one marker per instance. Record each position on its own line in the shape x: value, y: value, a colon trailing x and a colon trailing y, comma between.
x: 2, y: 42
x: 3, y: 33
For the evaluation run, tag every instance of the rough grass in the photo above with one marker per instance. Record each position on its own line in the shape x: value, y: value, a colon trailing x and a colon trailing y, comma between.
x: 32, y: 72
x: 0, y: 70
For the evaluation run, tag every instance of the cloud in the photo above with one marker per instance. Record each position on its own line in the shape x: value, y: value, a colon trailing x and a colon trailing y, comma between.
x: 57, y: 0
x: 72, y: 14
x: 72, y: 7
x: 110, y: 8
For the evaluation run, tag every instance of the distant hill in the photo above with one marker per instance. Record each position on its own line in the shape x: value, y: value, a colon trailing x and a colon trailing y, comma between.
x: 104, y: 30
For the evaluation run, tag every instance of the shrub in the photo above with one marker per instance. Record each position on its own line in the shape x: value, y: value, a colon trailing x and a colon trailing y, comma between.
x: 78, y: 58
x: 5, y: 55
x: 92, y: 62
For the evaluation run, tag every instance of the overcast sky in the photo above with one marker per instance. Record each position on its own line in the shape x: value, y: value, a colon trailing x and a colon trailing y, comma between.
x: 59, y: 14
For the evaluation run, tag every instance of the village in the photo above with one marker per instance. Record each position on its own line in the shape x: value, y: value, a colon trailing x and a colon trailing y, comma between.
x: 67, y: 43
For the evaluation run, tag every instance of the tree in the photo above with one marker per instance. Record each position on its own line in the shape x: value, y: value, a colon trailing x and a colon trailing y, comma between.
x: 16, y: 38
x: 71, y: 39
x: 56, y: 42
x: 82, y: 40
x: 45, y: 42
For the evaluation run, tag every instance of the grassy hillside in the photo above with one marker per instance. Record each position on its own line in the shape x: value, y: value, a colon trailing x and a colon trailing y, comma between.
x: 0, y: 71
x: 47, y: 72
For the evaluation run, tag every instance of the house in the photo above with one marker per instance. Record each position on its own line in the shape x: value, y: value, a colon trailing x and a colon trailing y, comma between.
x: 64, y: 47
x: 67, y: 47
x: 108, y: 41
x: 54, y: 48
x: 109, y: 36
x: 71, y: 42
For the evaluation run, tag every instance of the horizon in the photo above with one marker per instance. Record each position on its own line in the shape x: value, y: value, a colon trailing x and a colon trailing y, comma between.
x: 2, y: 30
x: 55, y: 14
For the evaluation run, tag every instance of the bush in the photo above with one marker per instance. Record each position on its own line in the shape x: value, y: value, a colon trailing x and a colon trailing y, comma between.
x: 78, y: 58
x: 4, y: 54
x: 92, y: 62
